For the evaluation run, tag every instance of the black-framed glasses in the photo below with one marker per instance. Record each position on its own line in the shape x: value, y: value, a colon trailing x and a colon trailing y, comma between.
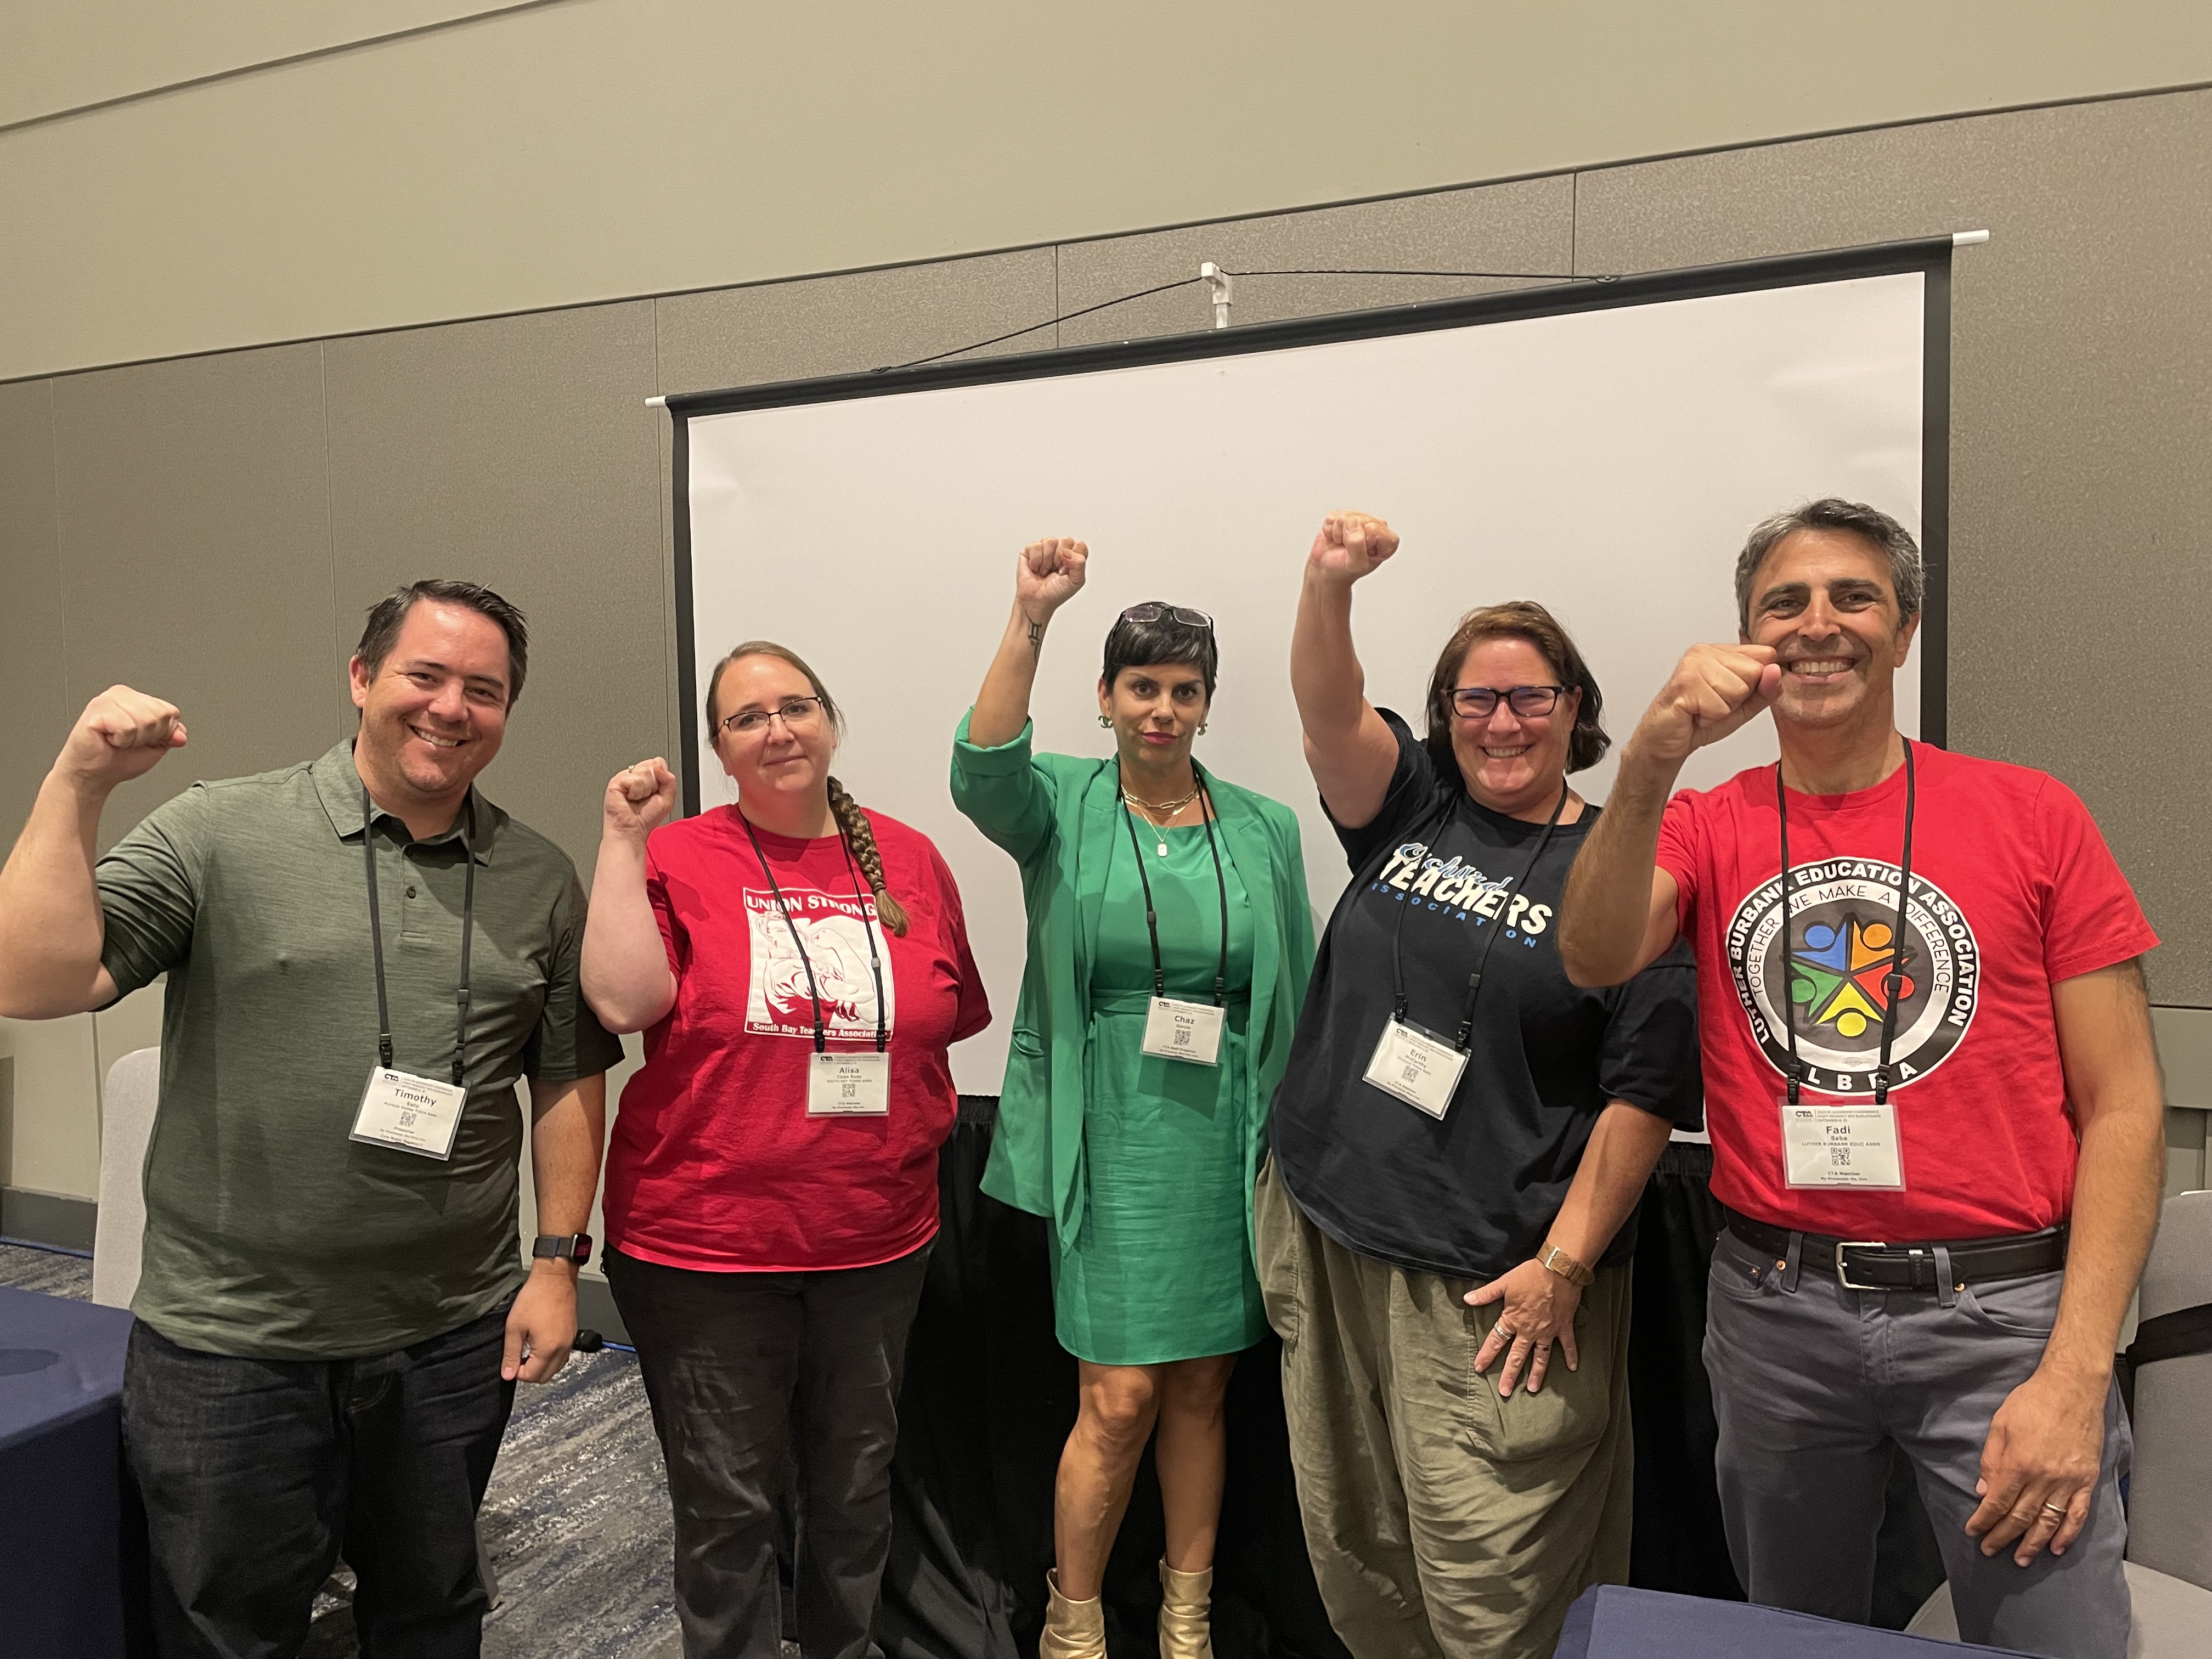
x: 794, y: 712
x: 1152, y: 613
x: 1479, y: 702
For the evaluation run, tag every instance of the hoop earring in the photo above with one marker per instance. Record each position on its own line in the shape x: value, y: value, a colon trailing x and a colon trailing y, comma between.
x: 1105, y: 719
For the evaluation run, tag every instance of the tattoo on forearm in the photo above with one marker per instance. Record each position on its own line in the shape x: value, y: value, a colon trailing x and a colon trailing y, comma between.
x: 1036, y: 639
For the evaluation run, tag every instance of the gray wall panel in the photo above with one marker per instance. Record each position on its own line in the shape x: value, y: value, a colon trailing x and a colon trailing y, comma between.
x: 519, y: 453
x: 846, y: 324
x: 33, y: 681
x: 2082, y: 449
x: 1527, y: 226
x: 196, y: 556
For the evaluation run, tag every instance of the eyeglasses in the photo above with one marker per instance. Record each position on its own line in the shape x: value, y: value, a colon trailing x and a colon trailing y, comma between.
x: 1479, y: 702
x: 1152, y: 613
x: 794, y: 712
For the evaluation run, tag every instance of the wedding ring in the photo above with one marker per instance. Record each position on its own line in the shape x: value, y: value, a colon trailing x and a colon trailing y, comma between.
x: 2055, y: 1509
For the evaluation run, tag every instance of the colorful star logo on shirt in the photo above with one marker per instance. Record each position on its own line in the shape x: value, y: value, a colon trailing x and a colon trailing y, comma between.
x: 1837, y: 975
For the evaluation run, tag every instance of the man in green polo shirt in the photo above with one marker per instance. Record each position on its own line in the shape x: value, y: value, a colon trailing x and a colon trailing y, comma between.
x: 364, y: 957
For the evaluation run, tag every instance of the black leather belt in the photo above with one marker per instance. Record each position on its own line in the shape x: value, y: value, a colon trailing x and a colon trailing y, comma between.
x: 1860, y: 1264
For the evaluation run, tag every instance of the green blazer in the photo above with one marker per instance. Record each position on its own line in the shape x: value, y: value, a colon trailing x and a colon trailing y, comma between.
x: 1058, y: 815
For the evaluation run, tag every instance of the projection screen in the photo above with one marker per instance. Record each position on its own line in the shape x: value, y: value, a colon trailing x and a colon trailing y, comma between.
x: 1600, y: 446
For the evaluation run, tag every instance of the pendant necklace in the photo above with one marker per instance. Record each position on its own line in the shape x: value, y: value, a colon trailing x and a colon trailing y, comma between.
x: 1169, y: 807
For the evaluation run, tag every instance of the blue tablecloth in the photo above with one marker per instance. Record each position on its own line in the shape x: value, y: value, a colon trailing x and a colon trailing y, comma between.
x: 1614, y: 1622
x: 61, y: 1459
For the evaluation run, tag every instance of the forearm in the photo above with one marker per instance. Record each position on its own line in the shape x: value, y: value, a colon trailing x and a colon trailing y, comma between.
x: 50, y: 926
x: 1605, y: 913
x: 625, y: 972
x: 1002, y: 706
x: 568, y: 1127
x: 2116, y: 1198
x: 1624, y: 1148
x: 1327, y: 680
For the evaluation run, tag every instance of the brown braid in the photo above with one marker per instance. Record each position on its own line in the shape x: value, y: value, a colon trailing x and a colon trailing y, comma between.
x: 860, y: 836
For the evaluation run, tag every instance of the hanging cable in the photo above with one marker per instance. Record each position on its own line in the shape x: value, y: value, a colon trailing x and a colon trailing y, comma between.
x: 1049, y: 322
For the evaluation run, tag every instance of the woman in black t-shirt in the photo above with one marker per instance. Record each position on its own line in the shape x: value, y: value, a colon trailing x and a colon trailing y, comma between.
x: 1458, y: 1147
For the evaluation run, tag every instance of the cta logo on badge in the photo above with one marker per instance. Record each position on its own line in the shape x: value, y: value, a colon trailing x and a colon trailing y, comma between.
x: 1830, y: 972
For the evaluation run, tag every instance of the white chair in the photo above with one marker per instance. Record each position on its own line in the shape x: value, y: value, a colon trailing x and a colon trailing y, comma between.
x: 127, y: 1101
x: 2169, y: 1563
x: 127, y: 1104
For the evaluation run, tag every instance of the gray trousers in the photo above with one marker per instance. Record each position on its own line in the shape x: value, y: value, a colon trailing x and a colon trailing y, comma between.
x: 1812, y: 1380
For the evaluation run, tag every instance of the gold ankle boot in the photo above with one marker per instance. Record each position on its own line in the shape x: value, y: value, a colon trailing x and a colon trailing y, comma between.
x: 1073, y: 1630
x: 1185, y: 1600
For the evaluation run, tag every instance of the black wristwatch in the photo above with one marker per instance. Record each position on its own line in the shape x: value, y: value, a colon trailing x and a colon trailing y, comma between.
x: 576, y: 1247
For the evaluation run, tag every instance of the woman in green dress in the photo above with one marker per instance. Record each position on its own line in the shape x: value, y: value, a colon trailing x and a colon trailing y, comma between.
x: 1169, y: 945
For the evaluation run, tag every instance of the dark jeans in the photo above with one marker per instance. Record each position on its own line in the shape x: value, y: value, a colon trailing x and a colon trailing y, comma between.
x: 254, y: 1473
x: 760, y: 1382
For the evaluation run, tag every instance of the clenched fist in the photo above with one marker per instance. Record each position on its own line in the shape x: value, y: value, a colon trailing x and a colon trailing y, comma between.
x: 1713, y: 690
x: 1349, y: 546
x: 120, y: 735
x: 1049, y: 573
x: 638, y: 798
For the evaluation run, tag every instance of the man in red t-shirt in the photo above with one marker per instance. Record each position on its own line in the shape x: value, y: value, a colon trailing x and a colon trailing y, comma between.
x: 1966, y: 1075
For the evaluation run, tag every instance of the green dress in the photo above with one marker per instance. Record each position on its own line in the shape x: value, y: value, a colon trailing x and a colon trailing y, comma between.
x: 1161, y: 1268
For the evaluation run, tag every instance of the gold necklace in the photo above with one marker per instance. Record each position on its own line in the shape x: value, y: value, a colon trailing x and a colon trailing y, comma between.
x: 1169, y: 807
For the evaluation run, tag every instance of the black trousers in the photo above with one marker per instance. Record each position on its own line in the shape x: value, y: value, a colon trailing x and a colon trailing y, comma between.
x: 254, y: 1473
x: 762, y: 1384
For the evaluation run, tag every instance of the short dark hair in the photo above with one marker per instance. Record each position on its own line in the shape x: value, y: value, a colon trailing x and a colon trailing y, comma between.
x: 1163, y: 641
x: 388, y: 613
x: 1908, y: 575
x: 1517, y: 619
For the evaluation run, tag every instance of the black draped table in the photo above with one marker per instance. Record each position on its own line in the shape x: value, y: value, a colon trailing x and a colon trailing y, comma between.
x: 61, y: 1459
x: 990, y: 1397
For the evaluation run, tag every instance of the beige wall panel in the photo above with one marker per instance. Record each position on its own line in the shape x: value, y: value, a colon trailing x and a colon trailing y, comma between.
x: 56, y: 1105
x: 849, y: 324
x: 64, y: 57
x: 1525, y: 226
x: 33, y: 689
x: 519, y: 453
x: 196, y: 557
x: 2082, y: 432
x: 612, y: 148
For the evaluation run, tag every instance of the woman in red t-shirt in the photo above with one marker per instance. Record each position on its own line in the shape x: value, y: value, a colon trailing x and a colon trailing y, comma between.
x: 800, y: 967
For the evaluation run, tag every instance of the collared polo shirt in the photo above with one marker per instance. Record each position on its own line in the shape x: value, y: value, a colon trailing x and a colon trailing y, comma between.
x: 270, y: 1232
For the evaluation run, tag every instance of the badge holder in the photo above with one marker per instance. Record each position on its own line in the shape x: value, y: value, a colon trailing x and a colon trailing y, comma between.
x: 1174, y: 1030
x: 842, y: 1084
x: 398, y: 1110
x: 1412, y: 1063
x: 1844, y: 1144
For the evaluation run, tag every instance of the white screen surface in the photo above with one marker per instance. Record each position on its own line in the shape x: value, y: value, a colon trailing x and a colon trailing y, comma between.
x: 1605, y: 462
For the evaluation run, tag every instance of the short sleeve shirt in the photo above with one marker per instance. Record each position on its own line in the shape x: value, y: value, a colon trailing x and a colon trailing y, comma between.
x: 270, y: 1232
x: 2013, y: 890
x: 714, y: 1165
x: 1471, y: 1195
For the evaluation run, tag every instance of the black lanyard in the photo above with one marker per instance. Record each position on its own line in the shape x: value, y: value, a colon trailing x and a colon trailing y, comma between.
x: 376, y: 935
x: 1496, y: 923
x: 875, y: 962
x: 1152, y: 920
x: 1892, y: 983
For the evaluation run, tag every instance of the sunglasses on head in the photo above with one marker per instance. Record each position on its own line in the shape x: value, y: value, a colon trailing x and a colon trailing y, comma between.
x: 1152, y: 613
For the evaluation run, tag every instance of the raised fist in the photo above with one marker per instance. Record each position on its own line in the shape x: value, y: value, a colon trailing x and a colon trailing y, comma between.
x: 1713, y: 690
x: 1349, y: 546
x: 1049, y: 573
x: 121, y: 735
x: 639, y: 797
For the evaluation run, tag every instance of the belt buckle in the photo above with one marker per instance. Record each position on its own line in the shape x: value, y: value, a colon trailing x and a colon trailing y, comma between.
x: 1843, y: 1275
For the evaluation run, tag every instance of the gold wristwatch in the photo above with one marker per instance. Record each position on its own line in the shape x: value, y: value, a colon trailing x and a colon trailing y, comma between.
x: 1557, y: 1261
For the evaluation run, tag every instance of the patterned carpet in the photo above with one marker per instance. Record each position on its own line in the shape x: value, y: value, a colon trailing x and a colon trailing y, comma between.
x: 576, y: 1520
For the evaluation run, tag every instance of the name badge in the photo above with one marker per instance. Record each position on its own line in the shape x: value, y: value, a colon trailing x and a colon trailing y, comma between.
x: 1417, y: 1067
x: 1825, y: 1144
x: 849, y: 1085
x: 416, y: 1114
x: 1183, y: 1030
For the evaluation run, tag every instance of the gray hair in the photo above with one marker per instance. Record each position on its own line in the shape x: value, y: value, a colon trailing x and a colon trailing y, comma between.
x: 1907, y: 573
